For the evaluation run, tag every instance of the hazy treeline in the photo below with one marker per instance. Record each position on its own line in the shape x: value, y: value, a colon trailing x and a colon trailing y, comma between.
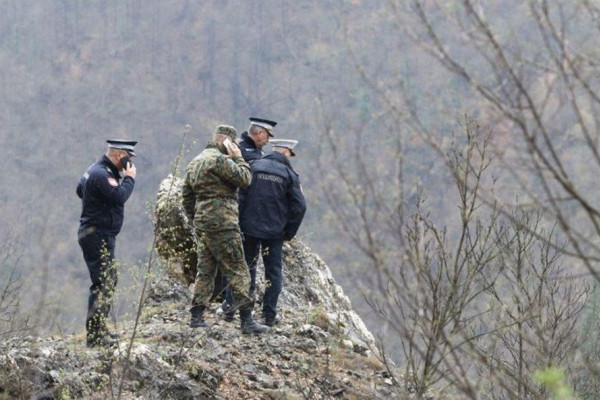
x: 76, y: 73
x: 397, y: 180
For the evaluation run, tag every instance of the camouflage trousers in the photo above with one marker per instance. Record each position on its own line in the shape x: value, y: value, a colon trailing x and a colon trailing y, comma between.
x: 222, y: 252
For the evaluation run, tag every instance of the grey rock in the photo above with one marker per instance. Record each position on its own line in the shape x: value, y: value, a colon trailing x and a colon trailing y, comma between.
x: 216, y: 333
x: 313, y: 332
x: 54, y: 376
x: 348, y: 344
x: 308, y: 345
x: 265, y: 381
x: 250, y: 368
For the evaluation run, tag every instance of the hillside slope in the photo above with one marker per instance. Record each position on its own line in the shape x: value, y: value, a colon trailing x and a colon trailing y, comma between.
x: 320, y: 350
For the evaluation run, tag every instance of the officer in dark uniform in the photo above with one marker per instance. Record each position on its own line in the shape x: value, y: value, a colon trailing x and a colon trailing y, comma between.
x: 258, y: 134
x: 103, y: 195
x: 253, y: 140
x: 272, y: 212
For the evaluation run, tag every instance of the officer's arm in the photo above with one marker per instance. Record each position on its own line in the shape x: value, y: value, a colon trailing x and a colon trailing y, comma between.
x: 234, y: 170
x: 296, y: 210
x: 189, y: 198
x: 110, y: 189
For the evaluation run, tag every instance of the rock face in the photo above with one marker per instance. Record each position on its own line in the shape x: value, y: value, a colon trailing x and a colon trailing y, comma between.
x: 175, y: 236
x: 308, y: 283
x: 320, y: 350
x: 302, y: 358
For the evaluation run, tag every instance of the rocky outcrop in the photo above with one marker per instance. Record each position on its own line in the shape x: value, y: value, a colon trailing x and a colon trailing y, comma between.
x: 308, y: 282
x: 320, y: 350
x: 305, y: 357
x: 174, y: 234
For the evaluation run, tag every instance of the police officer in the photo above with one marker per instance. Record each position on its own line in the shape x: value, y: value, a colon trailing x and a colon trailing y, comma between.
x: 253, y: 140
x: 210, y: 200
x: 272, y: 212
x: 258, y: 134
x: 103, y: 195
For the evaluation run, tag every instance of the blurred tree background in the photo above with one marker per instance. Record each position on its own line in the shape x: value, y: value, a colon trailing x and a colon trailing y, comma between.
x: 376, y: 93
x: 75, y: 73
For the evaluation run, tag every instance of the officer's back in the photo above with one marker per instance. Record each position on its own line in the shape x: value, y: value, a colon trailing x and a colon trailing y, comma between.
x: 274, y: 205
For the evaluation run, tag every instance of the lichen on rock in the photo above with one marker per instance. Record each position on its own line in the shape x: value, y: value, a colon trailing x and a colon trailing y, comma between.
x: 175, y: 239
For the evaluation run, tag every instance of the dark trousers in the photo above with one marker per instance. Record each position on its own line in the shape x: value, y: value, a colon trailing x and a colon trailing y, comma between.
x: 99, y: 255
x: 272, y: 259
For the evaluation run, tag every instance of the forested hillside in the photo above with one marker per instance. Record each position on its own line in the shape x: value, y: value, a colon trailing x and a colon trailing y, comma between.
x: 77, y: 73
x: 448, y: 153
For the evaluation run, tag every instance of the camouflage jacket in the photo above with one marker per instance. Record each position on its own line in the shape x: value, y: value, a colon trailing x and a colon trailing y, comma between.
x: 210, y: 189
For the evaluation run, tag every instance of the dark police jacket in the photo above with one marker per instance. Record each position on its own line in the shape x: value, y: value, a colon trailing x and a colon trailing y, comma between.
x: 274, y: 205
x: 102, y: 197
x: 250, y: 153
x: 249, y: 150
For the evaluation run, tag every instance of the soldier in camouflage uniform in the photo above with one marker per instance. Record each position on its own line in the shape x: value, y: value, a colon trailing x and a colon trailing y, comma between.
x: 210, y: 200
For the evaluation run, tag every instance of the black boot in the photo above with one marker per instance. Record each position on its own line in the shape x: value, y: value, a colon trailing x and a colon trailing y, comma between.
x: 249, y: 325
x: 197, y: 319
